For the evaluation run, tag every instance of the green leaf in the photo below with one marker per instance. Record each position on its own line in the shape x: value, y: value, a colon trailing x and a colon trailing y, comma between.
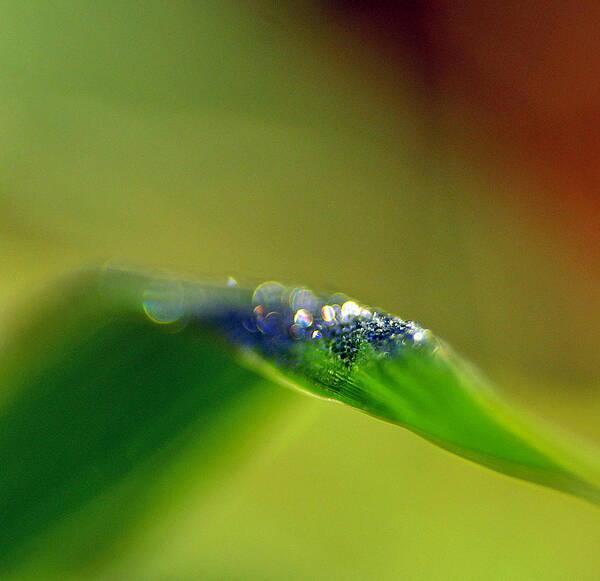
x: 123, y: 370
x: 98, y: 405
x: 427, y: 388
x: 389, y: 368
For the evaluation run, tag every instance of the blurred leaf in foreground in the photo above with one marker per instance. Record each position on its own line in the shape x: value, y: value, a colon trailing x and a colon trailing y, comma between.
x: 97, y: 403
x: 128, y: 367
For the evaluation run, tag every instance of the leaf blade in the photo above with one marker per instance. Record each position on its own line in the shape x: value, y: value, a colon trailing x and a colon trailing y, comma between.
x: 118, y: 396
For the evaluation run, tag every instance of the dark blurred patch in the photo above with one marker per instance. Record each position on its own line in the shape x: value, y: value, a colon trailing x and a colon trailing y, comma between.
x: 523, y: 75
x: 401, y: 30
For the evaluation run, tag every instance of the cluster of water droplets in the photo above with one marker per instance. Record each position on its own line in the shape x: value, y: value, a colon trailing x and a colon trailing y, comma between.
x: 277, y: 320
x: 300, y: 313
x: 283, y: 314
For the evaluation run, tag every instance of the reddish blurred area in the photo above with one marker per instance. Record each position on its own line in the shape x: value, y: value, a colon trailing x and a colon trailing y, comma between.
x: 524, y: 76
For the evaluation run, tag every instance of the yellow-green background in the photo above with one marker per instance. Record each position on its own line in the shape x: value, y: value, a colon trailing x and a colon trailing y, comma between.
x: 220, y: 138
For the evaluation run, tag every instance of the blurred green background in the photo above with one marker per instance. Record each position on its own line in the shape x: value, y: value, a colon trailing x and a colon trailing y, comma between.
x: 224, y: 138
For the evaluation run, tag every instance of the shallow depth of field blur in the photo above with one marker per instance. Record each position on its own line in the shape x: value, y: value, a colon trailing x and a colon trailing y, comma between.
x: 440, y: 163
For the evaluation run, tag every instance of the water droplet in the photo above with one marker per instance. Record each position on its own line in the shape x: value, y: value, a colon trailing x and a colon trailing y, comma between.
x: 163, y: 301
x: 271, y: 324
x: 297, y: 332
x: 303, y: 298
x: 350, y: 310
x: 270, y: 294
x: 303, y: 318
x: 418, y: 336
x: 328, y: 314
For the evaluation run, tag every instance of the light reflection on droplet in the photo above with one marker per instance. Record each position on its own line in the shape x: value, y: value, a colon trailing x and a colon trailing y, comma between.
x: 350, y: 309
x: 317, y: 335
x: 303, y: 318
x: 328, y: 314
x: 231, y: 282
x: 418, y: 336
